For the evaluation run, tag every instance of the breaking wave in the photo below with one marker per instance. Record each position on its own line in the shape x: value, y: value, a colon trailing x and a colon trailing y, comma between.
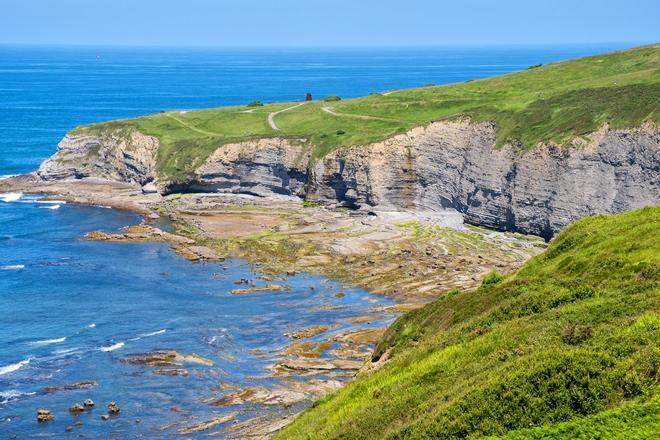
x: 112, y: 347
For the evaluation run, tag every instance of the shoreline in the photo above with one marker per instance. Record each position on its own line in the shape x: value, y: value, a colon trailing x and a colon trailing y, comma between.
x: 404, y: 257
x: 338, y: 242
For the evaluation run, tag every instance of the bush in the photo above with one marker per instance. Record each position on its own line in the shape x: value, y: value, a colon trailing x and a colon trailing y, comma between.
x: 310, y: 204
x: 332, y: 98
x: 492, y: 279
x: 255, y: 104
x: 340, y: 132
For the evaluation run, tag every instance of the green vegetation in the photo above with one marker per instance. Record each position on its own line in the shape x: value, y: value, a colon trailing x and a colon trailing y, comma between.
x: 310, y: 204
x: 551, y: 103
x: 492, y: 278
x: 255, y: 104
x: 332, y: 98
x: 566, y: 347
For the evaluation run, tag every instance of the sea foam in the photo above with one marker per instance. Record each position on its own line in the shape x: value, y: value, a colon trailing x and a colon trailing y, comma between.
x: 10, y: 197
x: 11, y: 395
x: 49, y: 341
x: 159, y: 332
x: 13, y: 267
x: 112, y: 347
x: 13, y: 367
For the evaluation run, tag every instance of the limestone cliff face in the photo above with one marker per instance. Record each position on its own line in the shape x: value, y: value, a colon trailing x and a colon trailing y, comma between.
x: 262, y: 167
x: 444, y: 165
x: 128, y: 158
x: 455, y: 165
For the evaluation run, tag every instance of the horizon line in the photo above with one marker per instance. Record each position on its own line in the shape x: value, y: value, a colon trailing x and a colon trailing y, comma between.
x: 330, y: 47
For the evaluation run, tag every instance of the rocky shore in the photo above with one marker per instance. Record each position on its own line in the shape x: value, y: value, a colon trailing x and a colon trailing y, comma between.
x: 410, y: 257
x: 389, y: 218
x: 448, y: 166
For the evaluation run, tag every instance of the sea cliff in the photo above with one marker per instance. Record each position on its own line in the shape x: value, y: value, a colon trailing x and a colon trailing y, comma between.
x: 445, y: 165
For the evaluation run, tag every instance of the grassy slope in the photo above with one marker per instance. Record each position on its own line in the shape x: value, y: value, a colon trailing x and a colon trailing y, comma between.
x: 568, y: 346
x: 555, y: 102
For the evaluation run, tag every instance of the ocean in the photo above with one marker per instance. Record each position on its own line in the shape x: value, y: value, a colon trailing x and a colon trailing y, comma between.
x: 71, y: 309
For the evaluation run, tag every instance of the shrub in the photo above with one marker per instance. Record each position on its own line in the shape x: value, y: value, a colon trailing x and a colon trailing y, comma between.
x: 340, y: 132
x: 255, y: 104
x: 310, y: 204
x: 332, y: 98
x: 576, y: 334
x: 492, y: 279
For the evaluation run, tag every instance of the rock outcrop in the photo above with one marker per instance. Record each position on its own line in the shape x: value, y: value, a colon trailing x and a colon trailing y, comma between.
x: 445, y: 165
x: 126, y: 157
x: 456, y: 165
x: 262, y: 167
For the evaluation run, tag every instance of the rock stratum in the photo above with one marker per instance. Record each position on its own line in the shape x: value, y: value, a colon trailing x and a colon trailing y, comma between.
x: 444, y: 165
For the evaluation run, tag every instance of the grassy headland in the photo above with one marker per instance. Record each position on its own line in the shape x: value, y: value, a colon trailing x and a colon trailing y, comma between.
x: 552, y: 103
x: 566, y: 346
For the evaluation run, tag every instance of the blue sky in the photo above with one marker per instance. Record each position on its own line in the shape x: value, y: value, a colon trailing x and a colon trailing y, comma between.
x: 327, y: 22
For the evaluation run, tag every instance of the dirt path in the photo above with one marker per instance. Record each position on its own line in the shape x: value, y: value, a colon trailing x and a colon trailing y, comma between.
x: 330, y: 111
x: 271, y: 116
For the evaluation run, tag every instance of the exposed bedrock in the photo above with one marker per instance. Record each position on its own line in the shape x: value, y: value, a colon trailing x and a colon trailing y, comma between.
x: 443, y: 165
x: 455, y: 165
x: 262, y: 167
x: 127, y: 158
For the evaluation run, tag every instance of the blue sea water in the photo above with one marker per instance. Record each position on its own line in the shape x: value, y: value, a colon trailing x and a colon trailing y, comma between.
x: 70, y: 309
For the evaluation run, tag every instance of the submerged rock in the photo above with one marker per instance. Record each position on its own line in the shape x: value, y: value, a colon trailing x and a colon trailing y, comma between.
x: 44, y: 415
x: 268, y: 288
x: 76, y: 408
x: 308, y: 332
x: 71, y: 386
x: 167, y: 359
x: 203, y: 426
x: 113, y: 408
x: 88, y: 403
x: 172, y: 372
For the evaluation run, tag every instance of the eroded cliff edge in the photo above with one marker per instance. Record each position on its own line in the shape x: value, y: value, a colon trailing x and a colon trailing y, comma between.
x: 445, y: 165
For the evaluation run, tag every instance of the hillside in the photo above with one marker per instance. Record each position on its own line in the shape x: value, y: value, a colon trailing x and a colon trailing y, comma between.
x: 551, y: 103
x: 566, y: 347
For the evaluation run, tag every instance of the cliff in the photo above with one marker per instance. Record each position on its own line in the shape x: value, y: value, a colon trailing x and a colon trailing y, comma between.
x: 445, y: 165
x: 530, y: 151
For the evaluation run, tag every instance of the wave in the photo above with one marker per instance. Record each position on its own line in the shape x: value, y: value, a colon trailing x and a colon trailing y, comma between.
x: 50, y: 207
x: 11, y: 395
x: 112, y: 347
x: 159, y: 332
x: 66, y: 350
x: 49, y: 341
x: 7, y: 176
x: 92, y: 325
x: 10, y: 197
x: 51, y: 202
x: 13, y: 367
x: 13, y: 267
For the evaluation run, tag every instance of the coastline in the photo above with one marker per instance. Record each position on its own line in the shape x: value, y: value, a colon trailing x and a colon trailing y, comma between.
x: 405, y: 257
x: 279, y: 235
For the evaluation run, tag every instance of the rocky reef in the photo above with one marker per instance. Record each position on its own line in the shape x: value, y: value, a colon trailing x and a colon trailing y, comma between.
x: 449, y: 165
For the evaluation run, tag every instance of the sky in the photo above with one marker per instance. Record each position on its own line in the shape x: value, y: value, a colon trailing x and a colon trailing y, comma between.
x: 327, y: 23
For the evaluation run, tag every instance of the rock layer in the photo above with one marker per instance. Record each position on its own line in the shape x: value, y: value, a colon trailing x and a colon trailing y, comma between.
x: 456, y: 165
x: 445, y: 165
x: 122, y: 157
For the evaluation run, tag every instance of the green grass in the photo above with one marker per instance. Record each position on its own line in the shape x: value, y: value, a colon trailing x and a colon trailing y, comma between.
x: 551, y: 103
x: 566, y: 347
